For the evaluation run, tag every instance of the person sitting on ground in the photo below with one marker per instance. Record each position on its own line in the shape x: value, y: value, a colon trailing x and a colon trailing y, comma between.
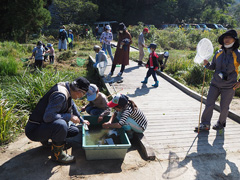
x: 224, y: 82
x: 55, y: 117
x: 129, y: 116
x: 97, y: 103
x: 141, y: 45
x: 51, y: 53
x: 101, y: 60
x: 63, y: 39
x: 38, y: 52
x: 152, y: 64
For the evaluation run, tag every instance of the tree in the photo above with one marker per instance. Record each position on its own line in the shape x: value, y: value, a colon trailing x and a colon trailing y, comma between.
x: 21, y: 18
x: 76, y: 11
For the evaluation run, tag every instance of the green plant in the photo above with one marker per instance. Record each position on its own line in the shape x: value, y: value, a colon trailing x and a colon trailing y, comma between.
x: 8, y: 66
x: 195, y: 75
x: 7, y: 118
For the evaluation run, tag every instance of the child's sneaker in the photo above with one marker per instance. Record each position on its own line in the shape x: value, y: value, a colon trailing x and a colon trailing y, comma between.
x: 119, y: 74
x: 109, y: 75
x: 218, y: 126
x: 203, y: 127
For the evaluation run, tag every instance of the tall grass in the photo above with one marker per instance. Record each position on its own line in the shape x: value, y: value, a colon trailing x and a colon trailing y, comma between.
x: 21, y: 94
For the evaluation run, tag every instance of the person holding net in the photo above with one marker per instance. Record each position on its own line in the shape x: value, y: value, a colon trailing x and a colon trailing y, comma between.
x: 224, y: 82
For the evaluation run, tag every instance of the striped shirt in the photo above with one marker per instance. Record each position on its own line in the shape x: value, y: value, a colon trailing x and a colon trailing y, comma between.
x: 137, y: 115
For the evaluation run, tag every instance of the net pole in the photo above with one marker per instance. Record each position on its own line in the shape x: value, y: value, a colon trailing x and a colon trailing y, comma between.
x: 201, y: 99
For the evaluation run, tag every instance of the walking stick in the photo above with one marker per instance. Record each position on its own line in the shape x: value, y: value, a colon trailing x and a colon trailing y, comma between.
x: 201, y: 99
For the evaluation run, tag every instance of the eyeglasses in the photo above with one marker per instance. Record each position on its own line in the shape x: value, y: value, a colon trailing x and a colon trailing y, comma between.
x: 83, y: 92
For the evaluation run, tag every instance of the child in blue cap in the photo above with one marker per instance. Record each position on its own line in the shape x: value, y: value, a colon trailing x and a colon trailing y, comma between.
x: 152, y: 64
x: 97, y: 103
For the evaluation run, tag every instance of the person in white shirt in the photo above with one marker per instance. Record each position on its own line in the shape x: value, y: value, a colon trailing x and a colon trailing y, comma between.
x: 106, y: 39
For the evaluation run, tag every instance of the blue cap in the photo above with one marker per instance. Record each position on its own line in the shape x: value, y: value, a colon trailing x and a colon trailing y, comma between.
x: 152, y: 45
x: 92, y: 92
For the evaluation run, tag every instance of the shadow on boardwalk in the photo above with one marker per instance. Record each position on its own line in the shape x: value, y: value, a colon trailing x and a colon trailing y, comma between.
x: 200, y: 161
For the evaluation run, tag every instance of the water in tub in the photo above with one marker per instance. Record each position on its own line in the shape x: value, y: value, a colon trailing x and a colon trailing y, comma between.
x: 99, y: 136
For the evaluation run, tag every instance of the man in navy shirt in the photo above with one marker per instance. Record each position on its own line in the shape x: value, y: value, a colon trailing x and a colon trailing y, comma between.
x: 55, y: 117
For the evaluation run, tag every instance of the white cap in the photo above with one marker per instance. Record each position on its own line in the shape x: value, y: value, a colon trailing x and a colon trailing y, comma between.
x: 108, y: 27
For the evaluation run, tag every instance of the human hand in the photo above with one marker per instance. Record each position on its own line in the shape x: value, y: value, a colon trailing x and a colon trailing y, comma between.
x: 100, y: 118
x: 122, y: 43
x: 86, y: 122
x: 106, y: 125
x: 75, y: 119
x: 83, y: 109
x: 236, y: 85
x: 205, y: 62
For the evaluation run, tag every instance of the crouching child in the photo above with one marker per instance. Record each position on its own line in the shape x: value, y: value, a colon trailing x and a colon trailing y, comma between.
x: 129, y: 116
x: 101, y: 60
x: 97, y: 103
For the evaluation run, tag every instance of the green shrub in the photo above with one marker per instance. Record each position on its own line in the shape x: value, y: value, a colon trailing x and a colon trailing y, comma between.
x: 7, y: 124
x: 195, y: 75
x: 65, y: 56
x: 8, y: 66
x: 176, y: 65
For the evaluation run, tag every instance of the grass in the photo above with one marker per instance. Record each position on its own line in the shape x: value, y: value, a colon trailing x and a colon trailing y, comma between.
x: 21, y: 86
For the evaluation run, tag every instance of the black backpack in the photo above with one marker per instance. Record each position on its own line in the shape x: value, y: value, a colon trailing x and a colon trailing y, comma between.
x: 62, y: 35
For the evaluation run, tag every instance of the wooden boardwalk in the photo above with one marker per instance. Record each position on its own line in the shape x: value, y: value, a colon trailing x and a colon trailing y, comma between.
x: 172, y: 116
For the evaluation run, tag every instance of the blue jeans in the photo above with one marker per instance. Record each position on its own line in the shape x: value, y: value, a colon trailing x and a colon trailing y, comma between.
x: 57, y: 130
x: 130, y: 124
x: 94, y: 111
x: 108, y: 48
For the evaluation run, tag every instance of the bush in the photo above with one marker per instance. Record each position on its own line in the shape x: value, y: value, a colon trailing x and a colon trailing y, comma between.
x: 177, y: 65
x: 195, y: 75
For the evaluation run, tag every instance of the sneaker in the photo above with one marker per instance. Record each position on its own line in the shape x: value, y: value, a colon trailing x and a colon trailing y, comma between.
x: 218, y: 126
x: 109, y: 75
x: 203, y: 127
x: 119, y: 74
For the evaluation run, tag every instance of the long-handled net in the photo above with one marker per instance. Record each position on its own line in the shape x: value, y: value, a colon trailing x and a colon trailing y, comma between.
x: 204, y: 51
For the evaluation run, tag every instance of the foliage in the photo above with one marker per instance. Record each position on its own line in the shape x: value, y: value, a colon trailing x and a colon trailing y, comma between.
x: 195, y: 74
x: 7, y: 124
x: 75, y: 11
x: 166, y: 11
x: 21, y: 18
x: 9, y: 53
x: 174, y: 38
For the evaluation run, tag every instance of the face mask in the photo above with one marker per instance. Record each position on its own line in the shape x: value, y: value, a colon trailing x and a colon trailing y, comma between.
x: 121, y: 31
x: 149, y: 50
x: 229, y: 46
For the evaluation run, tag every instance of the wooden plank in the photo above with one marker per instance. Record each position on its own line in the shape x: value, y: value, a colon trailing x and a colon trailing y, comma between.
x: 172, y: 116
